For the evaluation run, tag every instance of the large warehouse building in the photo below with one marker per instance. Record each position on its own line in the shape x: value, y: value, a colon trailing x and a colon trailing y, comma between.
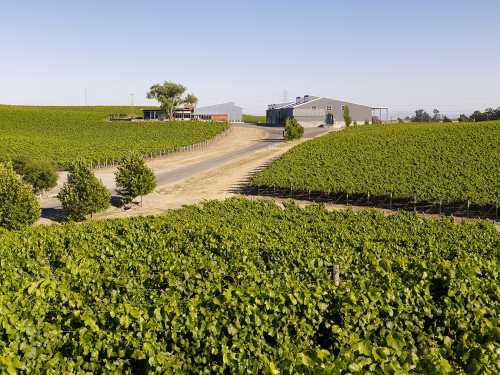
x: 313, y: 111
x: 234, y: 113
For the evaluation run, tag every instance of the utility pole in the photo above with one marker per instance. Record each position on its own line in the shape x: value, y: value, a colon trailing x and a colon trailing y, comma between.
x: 132, y: 100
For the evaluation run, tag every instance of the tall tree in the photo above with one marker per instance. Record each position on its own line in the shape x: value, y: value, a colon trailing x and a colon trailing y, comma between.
x: 437, y: 115
x: 421, y: 116
x: 191, y: 100
x: 347, y: 116
x: 83, y: 194
x: 18, y: 205
x: 170, y: 95
x: 134, y: 178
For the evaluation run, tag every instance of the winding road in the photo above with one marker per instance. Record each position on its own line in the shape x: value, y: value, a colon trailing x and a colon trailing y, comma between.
x: 246, y: 146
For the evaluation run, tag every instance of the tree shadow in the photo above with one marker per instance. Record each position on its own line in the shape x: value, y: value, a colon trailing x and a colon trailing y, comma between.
x: 53, y: 213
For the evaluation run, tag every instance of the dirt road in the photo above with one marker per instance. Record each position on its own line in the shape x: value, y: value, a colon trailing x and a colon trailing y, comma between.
x: 194, y: 176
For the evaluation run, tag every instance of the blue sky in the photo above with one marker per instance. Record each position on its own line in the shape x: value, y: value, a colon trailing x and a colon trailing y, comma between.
x: 401, y: 54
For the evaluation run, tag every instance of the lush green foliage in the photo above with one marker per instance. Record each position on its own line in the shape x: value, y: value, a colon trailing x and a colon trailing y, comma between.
x: 293, y: 130
x: 455, y: 162
x: 65, y: 134
x: 253, y: 119
x: 83, y: 194
x: 134, y: 178
x: 40, y: 174
x: 244, y: 286
x: 18, y: 205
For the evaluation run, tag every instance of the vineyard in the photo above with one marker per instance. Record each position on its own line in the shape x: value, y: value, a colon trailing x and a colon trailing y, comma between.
x: 63, y: 134
x: 253, y: 119
x: 248, y: 287
x: 445, y: 163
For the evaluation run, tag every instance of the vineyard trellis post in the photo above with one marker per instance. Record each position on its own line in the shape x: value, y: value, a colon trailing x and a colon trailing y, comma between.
x: 336, y: 274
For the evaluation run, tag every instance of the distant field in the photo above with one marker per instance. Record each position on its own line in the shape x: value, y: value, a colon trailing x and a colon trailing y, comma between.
x: 252, y: 119
x: 63, y: 134
x: 454, y: 162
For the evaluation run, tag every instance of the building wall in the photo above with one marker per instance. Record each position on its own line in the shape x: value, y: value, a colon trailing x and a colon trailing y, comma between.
x: 233, y: 111
x: 314, y: 112
x: 278, y: 116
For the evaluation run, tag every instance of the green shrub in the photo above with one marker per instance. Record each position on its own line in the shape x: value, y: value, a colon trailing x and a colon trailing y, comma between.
x: 293, y: 130
x: 83, y: 194
x: 134, y: 178
x: 39, y: 174
x: 18, y: 205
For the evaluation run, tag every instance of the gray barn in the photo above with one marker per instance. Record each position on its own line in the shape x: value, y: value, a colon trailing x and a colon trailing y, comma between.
x: 233, y: 112
x: 313, y: 111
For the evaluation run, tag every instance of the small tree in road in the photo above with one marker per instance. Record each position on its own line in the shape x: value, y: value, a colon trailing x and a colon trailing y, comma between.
x: 293, y: 130
x: 18, y: 205
x: 134, y: 178
x: 83, y: 194
x: 347, y: 116
x: 170, y: 95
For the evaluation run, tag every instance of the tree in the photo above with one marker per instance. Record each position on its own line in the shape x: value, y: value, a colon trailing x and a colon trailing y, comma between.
x: 437, y: 115
x: 18, y: 205
x: 170, y: 95
x: 446, y: 119
x: 83, y: 194
x: 191, y: 100
x: 421, y: 116
x: 134, y: 178
x: 39, y: 174
x: 347, y: 116
x: 478, y: 116
x: 293, y: 130
x: 463, y: 118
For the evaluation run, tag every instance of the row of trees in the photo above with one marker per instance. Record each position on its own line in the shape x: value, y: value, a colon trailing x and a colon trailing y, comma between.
x: 489, y: 114
x: 82, y: 195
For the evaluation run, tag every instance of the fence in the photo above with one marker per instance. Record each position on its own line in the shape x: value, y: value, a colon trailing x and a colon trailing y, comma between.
x: 386, y: 201
x: 112, y: 162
